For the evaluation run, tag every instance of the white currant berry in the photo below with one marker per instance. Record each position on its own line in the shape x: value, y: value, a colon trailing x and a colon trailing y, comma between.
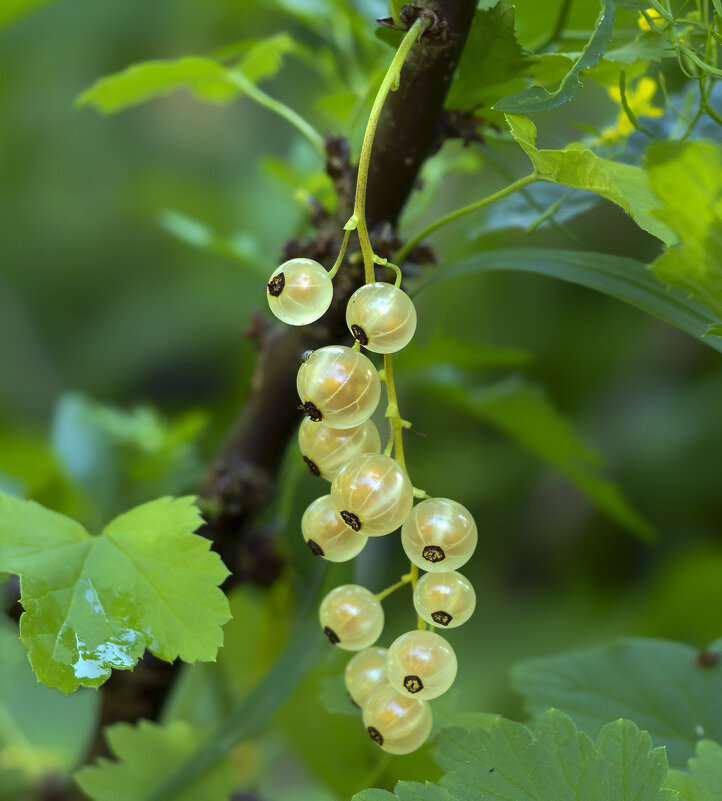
x: 398, y: 723
x: 299, y: 291
x: 444, y: 599
x: 365, y: 674
x: 439, y: 535
x: 381, y: 317
x: 422, y: 664
x: 339, y: 386
x: 373, y: 494
x: 326, y: 450
x: 327, y: 535
x: 351, y: 617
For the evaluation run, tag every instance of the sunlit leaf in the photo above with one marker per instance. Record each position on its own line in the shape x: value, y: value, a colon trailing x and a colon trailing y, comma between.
x: 145, y: 754
x: 96, y: 603
x: 625, y: 279
x: 661, y: 685
x: 576, y: 166
x: 685, y: 178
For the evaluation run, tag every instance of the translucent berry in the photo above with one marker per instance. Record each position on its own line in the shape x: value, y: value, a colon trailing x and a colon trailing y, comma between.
x: 373, y: 494
x: 351, y: 617
x: 327, y: 535
x: 299, y: 291
x: 326, y: 450
x: 339, y: 386
x: 365, y: 674
x: 421, y: 664
x: 439, y: 535
x: 444, y: 599
x: 381, y: 317
x: 398, y: 723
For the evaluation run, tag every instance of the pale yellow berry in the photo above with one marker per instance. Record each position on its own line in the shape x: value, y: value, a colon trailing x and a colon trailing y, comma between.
x: 327, y: 535
x: 365, y: 674
x: 299, y: 291
x: 398, y: 723
x: 373, y: 494
x: 381, y: 317
x: 421, y: 664
x: 351, y: 617
x: 326, y: 450
x: 439, y: 535
x: 339, y: 386
x: 444, y: 599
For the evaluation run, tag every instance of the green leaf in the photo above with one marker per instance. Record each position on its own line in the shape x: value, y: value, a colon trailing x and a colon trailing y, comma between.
x: 334, y: 696
x: 41, y: 731
x: 525, y: 414
x: 578, y: 167
x: 265, y: 57
x: 203, y: 78
x: 145, y: 754
x: 658, y: 684
x: 554, y: 762
x: 704, y: 780
x: 686, y: 180
x: 492, y: 62
x: 10, y: 10
x: 536, y: 98
x: 443, y: 349
x: 621, y: 278
x: 95, y: 603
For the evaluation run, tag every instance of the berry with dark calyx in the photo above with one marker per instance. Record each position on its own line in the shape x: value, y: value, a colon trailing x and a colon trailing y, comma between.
x: 327, y: 535
x: 326, y: 450
x: 373, y: 494
x: 422, y: 664
x: 351, y: 617
x: 339, y: 386
x: 398, y: 723
x: 444, y: 599
x: 299, y: 291
x: 439, y: 535
x: 365, y: 674
x: 381, y: 317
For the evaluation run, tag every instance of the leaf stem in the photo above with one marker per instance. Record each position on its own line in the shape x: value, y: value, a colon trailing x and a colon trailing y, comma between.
x: 339, y: 259
x: 389, y: 82
x: 288, y: 114
x: 631, y: 116
x: 455, y: 215
x: 395, y: 7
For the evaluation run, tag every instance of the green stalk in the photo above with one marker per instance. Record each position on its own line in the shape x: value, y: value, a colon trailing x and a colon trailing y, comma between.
x: 462, y: 212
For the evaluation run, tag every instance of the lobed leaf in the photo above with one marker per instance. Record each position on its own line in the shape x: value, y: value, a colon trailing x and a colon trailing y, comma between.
x: 659, y: 684
x: 96, y: 603
x: 704, y: 780
x: 145, y: 755
x: 685, y: 178
x: 577, y: 167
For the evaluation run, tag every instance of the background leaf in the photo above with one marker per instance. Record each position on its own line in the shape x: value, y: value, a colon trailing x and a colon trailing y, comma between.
x: 145, y: 754
x: 658, y: 684
x: 625, y: 279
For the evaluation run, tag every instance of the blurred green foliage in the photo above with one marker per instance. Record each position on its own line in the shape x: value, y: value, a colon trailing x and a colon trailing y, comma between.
x: 133, y: 254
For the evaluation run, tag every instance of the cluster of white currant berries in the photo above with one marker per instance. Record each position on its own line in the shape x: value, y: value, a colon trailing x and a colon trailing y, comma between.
x: 371, y: 496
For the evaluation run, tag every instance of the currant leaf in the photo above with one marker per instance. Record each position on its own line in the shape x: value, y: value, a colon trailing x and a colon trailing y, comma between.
x: 96, y: 603
x: 664, y: 686
x: 704, y: 780
x: 577, y: 167
x: 146, y: 755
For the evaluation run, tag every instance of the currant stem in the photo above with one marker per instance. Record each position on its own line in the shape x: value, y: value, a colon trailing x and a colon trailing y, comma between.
x: 288, y: 114
x: 414, y: 577
x: 405, y: 579
x: 339, y: 259
x: 454, y: 215
x: 392, y: 412
x: 387, y: 85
